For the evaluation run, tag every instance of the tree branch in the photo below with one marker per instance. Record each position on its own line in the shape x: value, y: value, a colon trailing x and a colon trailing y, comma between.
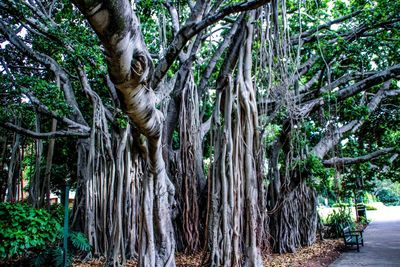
x: 117, y: 27
x: 378, y: 78
x: 50, y: 63
x: 174, y: 16
x: 213, y: 61
x: 333, y: 137
x: 351, y: 90
x: 295, y: 39
x: 353, y: 34
x: 44, y: 109
x: 191, y: 29
x: 392, y: 92
x: 36, y: 135
x: 348, y: 161
x: 346, y: 79
x: 92, y: 95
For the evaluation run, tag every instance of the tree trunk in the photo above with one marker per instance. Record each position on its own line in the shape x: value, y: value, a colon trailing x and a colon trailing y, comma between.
x: 3, y: 171
x: 110, y: 172
x: 234, y: 203
x: 35, y: 184
x: 191, y: 170
x: 49, y: 161
x: 13, y: 169
x: 294, y: 223
x: 130, y: 66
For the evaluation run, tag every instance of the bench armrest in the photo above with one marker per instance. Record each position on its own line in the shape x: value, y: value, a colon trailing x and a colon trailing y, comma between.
x: 357, y: 232
x: 355, y: 235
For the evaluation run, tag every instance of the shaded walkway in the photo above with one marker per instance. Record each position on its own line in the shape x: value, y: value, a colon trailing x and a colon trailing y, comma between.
x: 381, y: 241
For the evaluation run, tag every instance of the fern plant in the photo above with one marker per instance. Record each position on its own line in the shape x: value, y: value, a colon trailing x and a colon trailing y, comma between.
x: 54, y: 256
x: 79, y: 241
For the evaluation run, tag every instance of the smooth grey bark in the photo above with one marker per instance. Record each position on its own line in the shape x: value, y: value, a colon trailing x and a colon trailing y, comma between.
x: 130, y: 67
x: 13, y: 169
x: 336, y: 161
x: 333, y: 137
x: 35, y: 185
x: 233, y: 186
x: 113, y: 172
x: 45, y: 136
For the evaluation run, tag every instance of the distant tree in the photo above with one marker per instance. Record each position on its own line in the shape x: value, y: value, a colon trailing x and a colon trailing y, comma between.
x: 206, y: 124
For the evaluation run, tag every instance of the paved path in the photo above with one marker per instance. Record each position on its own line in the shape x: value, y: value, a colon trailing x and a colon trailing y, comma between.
x: 381, y: 242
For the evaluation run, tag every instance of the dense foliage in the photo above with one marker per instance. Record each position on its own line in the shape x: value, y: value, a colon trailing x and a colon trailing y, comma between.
x: 25, y: 229
x: 34, y: 236
x: 184, y: 125
x: 338, y: 220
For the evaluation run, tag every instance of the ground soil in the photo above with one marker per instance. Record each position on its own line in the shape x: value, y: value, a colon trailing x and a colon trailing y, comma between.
x: 319, y: 254
x: 322, y: 253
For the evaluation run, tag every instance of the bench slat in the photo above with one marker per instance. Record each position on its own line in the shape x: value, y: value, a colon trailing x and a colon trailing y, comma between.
x: 352, y: 238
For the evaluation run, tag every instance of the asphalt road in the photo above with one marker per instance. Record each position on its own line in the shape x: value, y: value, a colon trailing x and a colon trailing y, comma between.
x: 381, y: 241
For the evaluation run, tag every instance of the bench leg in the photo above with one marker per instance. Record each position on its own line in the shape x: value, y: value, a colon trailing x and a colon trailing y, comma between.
x: 358, y: 247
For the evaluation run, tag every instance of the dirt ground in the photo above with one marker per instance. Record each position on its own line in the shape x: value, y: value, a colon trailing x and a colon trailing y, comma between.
x: 319, y: 254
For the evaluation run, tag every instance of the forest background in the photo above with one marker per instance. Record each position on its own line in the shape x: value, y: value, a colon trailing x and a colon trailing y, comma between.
x: 199, y: 125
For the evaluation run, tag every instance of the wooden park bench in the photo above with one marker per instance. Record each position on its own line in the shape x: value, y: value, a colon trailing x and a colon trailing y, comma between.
x: 353, y: 237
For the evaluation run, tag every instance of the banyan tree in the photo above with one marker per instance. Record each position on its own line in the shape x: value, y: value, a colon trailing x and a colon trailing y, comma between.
x: 191, y: 126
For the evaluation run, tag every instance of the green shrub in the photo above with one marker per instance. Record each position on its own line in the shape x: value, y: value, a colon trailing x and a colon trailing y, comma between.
x: 369, y: 198
x: 363, y: 220
x: 53, y: 256
x: 35, y: 236
x: 340, y: 205
x: 337, y: 220
x: 24, y: 228
x: 370, y: 207
x: 57, y: 210
x: 389, y: 197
